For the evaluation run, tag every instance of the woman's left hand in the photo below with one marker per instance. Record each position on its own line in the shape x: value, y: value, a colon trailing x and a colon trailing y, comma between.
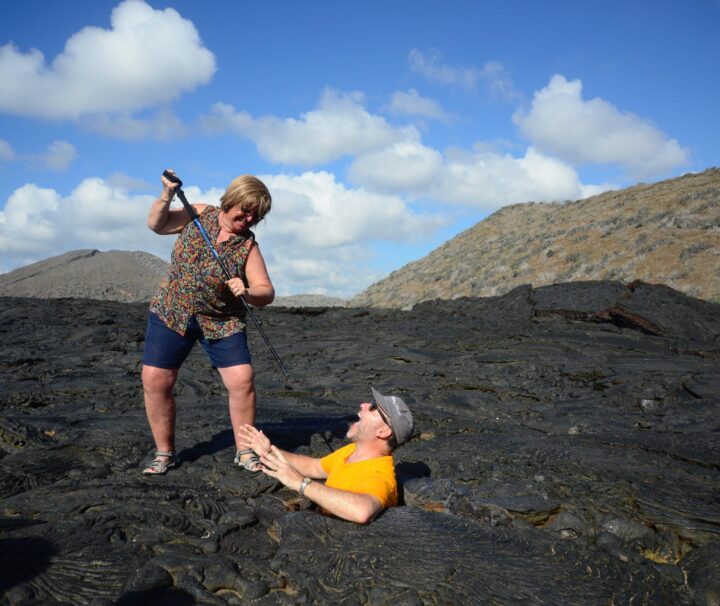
x: 237, y: 287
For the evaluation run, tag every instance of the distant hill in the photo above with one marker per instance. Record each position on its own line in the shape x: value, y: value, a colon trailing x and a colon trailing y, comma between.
x: 667, y: 232
x: 116, y: 275
x: 308, y: 301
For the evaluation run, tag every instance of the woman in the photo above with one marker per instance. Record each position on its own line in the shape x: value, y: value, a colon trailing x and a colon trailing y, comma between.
x: 196, y: 303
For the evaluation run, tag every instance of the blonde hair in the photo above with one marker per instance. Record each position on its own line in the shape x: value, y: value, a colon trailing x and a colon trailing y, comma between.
x: 250, y: 194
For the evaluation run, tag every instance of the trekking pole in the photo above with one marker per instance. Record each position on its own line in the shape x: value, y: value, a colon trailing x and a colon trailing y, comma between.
x: 196, y: 219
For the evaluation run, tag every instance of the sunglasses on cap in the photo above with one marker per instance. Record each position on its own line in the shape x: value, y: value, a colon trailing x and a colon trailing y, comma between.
x: 375, y: 406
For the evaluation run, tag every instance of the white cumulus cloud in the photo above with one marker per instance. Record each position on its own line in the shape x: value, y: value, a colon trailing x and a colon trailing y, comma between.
x: 480, y: 178
x: 7, y: 153
x: 490, y: 180
x: 404, y: 167
x: 317, y: 211
x: 430, y: 66
x: 411, y: 103
x: 493, y: 74
x: 320, y: 234
x: 318, y: 238
x: 29, y: 210
x: 37, y: 222
x: 594, y: 131
x: 340, y: 126
x: 59, y: 155
x: 147, y: 57
x: 161, y: 125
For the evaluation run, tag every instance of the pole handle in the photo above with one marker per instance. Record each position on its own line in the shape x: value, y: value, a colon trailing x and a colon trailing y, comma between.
x: 173, y: 178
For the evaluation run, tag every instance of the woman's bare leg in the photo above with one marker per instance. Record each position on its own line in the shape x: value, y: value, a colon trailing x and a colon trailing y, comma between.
x: 158, y: 384
x: 240, y: 383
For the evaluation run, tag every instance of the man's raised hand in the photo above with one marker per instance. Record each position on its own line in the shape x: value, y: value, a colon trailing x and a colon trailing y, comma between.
x: 252, y: 438
x: 277, y: 466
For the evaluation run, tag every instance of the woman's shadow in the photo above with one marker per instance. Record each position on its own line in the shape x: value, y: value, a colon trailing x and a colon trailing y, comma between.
x: 289, y: 434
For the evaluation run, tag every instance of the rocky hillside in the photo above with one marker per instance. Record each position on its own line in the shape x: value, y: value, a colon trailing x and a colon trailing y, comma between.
x: 115, y: 275
x: 667, y: 232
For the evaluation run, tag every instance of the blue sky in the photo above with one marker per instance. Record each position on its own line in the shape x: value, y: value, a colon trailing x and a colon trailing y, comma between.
x: 383, y: 129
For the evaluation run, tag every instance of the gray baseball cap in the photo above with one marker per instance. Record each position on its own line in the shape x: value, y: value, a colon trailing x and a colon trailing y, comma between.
x: 398, y: 414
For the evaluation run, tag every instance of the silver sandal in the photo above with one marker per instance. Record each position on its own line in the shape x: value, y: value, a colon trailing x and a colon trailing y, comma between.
x: 158, y: 466
x: 251, y: 464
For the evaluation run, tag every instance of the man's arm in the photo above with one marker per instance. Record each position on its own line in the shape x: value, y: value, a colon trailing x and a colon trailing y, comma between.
x: 355, y: 507
x: 290, y: 469
x: 254, y: 439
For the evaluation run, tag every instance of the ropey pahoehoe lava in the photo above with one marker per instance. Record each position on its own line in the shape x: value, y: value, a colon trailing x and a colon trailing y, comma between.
x: 566, y: 451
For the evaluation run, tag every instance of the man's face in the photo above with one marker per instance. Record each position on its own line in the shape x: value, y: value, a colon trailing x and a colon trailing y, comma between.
x: 369, y: 421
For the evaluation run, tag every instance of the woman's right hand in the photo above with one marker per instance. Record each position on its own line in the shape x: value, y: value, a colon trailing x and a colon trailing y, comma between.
x: 164, y: 220
x: 168, y: 187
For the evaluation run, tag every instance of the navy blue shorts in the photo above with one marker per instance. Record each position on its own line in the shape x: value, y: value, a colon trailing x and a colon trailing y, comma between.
x: 164, y: 348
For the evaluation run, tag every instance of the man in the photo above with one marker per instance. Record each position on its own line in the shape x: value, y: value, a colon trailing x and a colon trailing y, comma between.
x: 360, y: 477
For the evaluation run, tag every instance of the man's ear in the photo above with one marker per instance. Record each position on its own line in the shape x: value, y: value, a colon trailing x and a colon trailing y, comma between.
x: 384, y: 432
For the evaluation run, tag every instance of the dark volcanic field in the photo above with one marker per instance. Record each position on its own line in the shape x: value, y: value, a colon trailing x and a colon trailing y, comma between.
x: 567, y: 451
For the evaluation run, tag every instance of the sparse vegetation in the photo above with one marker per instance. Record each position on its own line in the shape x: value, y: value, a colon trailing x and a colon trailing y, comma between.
x: 657, y: 233
x: 574, y: 230
x: 693, y: 250
x: 573, y: 257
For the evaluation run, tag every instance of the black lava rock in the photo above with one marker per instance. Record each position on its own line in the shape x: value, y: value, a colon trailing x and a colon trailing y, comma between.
x: 566, y: 451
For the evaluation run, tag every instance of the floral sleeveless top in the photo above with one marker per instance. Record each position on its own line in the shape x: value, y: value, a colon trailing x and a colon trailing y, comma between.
x: 195, y: 284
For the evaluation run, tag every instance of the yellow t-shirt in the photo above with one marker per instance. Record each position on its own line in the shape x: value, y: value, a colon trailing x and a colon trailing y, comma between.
x: 374, y: 476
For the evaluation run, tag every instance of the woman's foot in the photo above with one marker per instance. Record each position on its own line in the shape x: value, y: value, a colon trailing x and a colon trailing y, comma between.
x: 163, y: 461
x: 248, y: 460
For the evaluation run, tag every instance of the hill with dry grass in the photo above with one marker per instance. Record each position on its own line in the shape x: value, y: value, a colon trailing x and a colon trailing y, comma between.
x: 664, y: 233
